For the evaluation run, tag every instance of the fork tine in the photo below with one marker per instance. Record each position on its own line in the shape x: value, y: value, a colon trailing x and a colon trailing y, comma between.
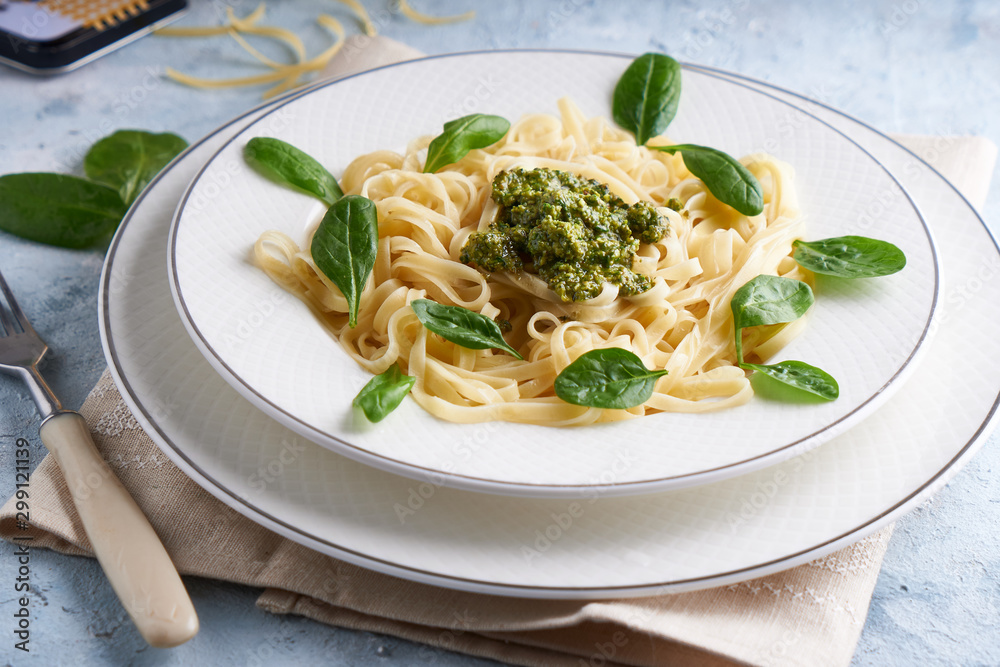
x: 8, y: 324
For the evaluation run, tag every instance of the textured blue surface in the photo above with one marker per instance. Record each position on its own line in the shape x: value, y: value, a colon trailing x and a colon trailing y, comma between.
x: 910, y: 66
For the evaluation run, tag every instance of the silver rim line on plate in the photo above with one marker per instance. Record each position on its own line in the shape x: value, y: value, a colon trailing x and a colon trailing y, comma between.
x: 251, y: 511
x: 553, y: 490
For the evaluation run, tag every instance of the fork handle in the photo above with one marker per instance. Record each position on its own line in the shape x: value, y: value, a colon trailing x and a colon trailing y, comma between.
x: 132, y: 556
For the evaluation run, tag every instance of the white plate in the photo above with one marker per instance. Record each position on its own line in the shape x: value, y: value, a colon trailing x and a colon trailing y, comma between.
x: 272, y: 349
x: 669, y: 542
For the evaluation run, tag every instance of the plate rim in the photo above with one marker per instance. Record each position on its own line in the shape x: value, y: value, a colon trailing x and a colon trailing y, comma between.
x: 916, y: 495
x: 471, y: 482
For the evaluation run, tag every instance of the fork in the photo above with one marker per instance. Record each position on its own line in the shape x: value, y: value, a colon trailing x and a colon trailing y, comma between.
x: 138, y: 567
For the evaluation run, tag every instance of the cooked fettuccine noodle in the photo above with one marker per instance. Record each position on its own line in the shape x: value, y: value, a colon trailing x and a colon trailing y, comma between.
x: 683, y: 323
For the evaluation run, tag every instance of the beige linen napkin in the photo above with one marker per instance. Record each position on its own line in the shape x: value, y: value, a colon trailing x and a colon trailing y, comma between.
x: 809, y: 615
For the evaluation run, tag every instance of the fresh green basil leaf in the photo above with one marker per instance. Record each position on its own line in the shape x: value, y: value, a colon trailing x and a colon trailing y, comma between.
x: 59, y: 210
x: 129, y: 159
x: 768, y: 300
x: 461, y: 136
x: 287, y: 165
x: 723, y: 175
x: 344, y: 247
x: 461, y: 326
x: 850, y: 257
x: 646, y: 96
x: 384, y: 393
x: 802, y: 376
x: 608, y: 378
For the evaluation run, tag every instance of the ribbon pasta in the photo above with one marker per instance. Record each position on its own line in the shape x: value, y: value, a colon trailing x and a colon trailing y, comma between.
x: 683, y: 323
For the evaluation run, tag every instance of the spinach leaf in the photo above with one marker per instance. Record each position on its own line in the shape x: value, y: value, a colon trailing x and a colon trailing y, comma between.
x: 59, y: 210
x: 723, y: 175
x: 800, y: 375
x: 384, y: 393
x: 850, y: 257
x: 344, y: 247
x: 461, y: 326
x: 646, y: 96
x: 287, y: 165
x: 129, y: 159
x: 607, y: 378
x: 773, y: 300
x: 461, y: 136
x: 768, y: 300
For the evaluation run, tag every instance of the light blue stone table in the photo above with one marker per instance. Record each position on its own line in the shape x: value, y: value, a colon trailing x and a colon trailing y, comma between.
x: 910, y: 66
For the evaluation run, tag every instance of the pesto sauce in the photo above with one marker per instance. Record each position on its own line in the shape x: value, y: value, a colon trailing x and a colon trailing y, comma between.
x: 571, y: 231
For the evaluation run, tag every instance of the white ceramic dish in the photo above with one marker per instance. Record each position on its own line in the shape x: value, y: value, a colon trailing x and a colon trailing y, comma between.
x: 272, y: 349
x: 711, y: 535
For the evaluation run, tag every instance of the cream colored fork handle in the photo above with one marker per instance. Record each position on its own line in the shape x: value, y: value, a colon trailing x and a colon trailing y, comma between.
x: 126, y: 546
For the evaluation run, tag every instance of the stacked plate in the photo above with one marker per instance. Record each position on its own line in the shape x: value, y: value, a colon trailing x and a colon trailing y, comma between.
x: 244, y: 390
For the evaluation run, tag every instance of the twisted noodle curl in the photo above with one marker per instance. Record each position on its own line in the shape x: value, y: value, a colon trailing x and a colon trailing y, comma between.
x: 683, y: 323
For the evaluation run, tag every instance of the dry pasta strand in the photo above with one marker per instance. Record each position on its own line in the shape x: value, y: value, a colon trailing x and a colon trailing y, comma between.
x: 412, y: 14
x: 366, y: 23
x: 288, y: 75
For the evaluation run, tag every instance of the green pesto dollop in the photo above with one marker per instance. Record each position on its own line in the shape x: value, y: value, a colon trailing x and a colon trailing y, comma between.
x: 571, y: 231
